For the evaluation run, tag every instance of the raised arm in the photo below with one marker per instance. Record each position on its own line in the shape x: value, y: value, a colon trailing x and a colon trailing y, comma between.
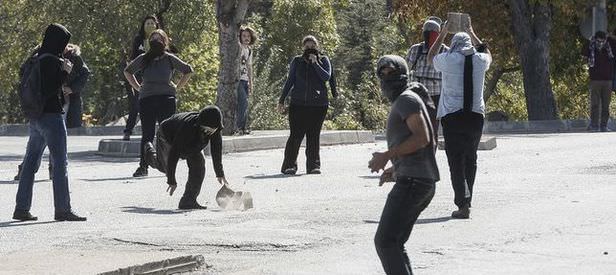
x: 437, y: 45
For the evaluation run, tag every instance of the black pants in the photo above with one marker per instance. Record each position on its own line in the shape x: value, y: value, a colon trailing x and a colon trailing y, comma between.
x: 304, y: 121
x: 462, y: 133
x: 133, y: 112
x: 432, y: 114
x: 153, y: 109
x: 408, y: 198
x: 196, y: 169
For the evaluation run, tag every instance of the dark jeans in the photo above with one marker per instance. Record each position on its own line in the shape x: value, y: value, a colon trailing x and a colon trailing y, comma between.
x: 600, y: 97
x: 241, y: 113
x: 48, y: 130
x: 196, y: 169
x: 153, y: 109
x: 304, y: 121
x: 133, y: 112
x: 405, y: 202
x: 432, y: 114
x: 462, y: 133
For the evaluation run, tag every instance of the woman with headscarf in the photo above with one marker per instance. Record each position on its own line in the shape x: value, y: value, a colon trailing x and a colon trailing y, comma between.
x: 156, y: 91
x: 49, y: 129
x: 461, y: 108
x: 308, y: 74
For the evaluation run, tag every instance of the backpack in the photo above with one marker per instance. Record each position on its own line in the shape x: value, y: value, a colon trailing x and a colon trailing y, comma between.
x: 30, y: 93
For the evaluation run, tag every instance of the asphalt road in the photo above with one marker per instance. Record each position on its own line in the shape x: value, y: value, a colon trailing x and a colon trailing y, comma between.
x: 544, y: 204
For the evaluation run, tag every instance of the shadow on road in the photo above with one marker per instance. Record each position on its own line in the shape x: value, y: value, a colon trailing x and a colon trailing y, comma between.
x: 20, y: 223
x: 149, y: 211
x: 419, y: 221
x: 370, y: 177
x: 122, y: 178
x: 272, y: 176
x: 17, y: 181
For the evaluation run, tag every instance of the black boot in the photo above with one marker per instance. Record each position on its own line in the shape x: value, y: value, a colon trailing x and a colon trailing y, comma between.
x: 23, y: 215
x: 141, y: 172
x: 69, y: 216
x: 190, y: 204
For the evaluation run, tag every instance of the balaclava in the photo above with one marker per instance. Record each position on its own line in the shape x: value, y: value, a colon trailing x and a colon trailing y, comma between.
x: 157, y: 47
x: 396, y: 82
x: 431, y: 29
x: 210, y: 118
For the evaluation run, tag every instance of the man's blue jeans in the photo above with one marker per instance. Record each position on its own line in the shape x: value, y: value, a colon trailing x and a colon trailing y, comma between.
x: 405, y: 202
x: 241, y: 113
x: 48, y: 130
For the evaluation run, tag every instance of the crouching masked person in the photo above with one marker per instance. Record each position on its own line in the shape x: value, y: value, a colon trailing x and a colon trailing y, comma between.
x: 410, y: 144
x: 184, y: 136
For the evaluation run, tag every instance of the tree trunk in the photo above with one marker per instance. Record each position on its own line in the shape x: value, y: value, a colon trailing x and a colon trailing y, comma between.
x: 531, y: 31
x: 229, y: 14
x: 163, y: 7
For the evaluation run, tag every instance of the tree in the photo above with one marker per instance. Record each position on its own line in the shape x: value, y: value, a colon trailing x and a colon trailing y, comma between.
x: 229, y: 14
x: 531, y: 24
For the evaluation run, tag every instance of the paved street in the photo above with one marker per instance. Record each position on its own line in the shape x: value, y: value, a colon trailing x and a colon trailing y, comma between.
x: 544, y: 204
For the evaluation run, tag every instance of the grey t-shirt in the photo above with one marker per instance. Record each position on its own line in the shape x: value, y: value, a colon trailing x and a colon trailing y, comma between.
x: 157, y: 75
x: 422, y: 163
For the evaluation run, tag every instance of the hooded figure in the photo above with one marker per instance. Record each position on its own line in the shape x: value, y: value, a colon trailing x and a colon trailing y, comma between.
x: 184, y: 136
x: 52, y: 75
x: 396, y: 82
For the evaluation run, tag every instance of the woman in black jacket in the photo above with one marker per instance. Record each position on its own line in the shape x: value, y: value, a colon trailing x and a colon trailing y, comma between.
x: 308, y: 74
x: 74, y: 85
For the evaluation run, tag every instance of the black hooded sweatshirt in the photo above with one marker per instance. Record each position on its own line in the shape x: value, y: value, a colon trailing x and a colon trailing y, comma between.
x: 183, y: 133
x: 52, y: 76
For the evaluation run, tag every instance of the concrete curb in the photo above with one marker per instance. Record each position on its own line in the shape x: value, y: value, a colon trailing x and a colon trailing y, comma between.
x: 121, y: 148
x: 487, y: 143
x: 490, y: 127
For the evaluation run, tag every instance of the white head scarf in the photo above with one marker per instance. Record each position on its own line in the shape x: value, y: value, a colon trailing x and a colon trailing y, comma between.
x: 461, y: 43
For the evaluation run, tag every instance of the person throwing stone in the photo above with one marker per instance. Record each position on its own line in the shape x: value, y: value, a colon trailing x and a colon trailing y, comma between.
x: 410, y: 144
x: 184, y: 136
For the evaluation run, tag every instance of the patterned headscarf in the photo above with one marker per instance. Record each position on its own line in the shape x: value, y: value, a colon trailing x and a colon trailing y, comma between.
x: 461, y: 43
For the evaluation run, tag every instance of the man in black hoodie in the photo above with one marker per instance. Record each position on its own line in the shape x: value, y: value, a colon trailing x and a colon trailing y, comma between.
x: 185, y: 135
x: 49, y: 130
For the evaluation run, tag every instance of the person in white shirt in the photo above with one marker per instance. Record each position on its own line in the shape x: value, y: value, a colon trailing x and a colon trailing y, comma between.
x: 461, y: 108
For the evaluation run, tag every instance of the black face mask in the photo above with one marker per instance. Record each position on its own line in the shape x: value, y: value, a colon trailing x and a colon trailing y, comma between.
x: 393, y: 85
x: 308, y: 52
x: 157, y: 48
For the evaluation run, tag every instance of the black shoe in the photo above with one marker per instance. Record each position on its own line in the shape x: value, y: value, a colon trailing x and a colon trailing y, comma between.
x: 126, y: 137
x: 23, y: 215
x: 592, y: 129
x: 290, y: 171
x: 141, y: 172
x: 605, y: 129
x: 462, y: 213
x: 69, y: 217
x: 315, y: 171
x: 194, y: 205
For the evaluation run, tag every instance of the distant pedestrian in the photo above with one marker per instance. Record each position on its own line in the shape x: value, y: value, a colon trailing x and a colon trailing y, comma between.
x: 461, y: 108
x: 423, y: 71
x: 599, y: 54
x: 157, y: 93
x: 410, y: 147
x: 248, y: 37
x: 48, y: 129
x: 308, y: 74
